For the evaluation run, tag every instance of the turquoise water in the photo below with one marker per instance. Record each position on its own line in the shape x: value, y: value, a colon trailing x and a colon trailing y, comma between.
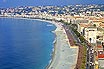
x: 25, y: 44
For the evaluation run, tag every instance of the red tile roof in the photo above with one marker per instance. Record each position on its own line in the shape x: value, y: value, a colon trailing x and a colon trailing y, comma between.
x: 99, y: 46
x: 101, y: 54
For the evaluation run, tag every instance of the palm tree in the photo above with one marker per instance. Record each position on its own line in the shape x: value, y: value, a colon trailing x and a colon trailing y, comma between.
x: 90, y: 40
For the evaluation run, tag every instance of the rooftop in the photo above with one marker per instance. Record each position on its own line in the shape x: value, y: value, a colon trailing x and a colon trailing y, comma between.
x: 101, y: 54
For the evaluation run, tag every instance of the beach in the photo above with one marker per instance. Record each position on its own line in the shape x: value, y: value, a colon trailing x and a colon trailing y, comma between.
x: 64, y: 56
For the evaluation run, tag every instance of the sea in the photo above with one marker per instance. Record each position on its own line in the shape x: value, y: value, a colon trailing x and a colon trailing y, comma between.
x: 25, y: 43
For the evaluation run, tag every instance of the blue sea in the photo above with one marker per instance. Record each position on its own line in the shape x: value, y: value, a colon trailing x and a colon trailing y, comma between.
x: 25, y: 44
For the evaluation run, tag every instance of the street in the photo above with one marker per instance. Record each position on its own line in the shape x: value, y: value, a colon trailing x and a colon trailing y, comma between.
x: 90, y: 51
x: 90, y: 57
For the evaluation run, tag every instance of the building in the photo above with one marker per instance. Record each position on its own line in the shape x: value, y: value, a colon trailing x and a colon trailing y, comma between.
x: 82, y: 26
x: 90, y: 34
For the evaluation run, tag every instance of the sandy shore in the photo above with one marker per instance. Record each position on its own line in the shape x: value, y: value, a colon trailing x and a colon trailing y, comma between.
x: 64, y: 56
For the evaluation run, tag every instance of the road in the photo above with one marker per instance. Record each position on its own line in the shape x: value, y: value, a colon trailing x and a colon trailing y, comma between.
x: 90, y: 50
x: 70, y: 37
x: 90, y: 57
x: 74, y: 36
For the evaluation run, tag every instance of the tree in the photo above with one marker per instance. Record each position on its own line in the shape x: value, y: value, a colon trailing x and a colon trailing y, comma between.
x: 90, y: 40
x: 94, y: 25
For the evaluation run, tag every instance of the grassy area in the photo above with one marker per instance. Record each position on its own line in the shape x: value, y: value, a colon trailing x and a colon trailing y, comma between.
x: 78, y: 35
x: 83, y: 64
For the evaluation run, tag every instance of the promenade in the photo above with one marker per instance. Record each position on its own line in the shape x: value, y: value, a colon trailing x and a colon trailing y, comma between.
x: 64, y: 57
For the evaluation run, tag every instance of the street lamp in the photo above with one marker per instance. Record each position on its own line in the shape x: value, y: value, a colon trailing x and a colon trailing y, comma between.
x: 103, y: 45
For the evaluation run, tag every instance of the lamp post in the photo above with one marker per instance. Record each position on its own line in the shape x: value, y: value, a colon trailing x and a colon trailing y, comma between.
x: 103, y: 45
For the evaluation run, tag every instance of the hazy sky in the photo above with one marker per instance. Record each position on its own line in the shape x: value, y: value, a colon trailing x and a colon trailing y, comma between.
x: 14, y: 3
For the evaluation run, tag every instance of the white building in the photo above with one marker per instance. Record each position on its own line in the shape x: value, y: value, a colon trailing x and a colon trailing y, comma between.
x: 82, y: 26
x: 90, y: 34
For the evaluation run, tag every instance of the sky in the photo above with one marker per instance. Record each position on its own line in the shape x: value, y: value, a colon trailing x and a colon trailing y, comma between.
x: 16, y: 3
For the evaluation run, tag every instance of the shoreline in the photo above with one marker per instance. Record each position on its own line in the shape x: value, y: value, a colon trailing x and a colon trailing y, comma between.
x: 62, y: 64
x: 59, y: 29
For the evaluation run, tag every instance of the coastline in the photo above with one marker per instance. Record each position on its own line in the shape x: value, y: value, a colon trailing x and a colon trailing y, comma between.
x: 73, y: 55
x: 60, y: 54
